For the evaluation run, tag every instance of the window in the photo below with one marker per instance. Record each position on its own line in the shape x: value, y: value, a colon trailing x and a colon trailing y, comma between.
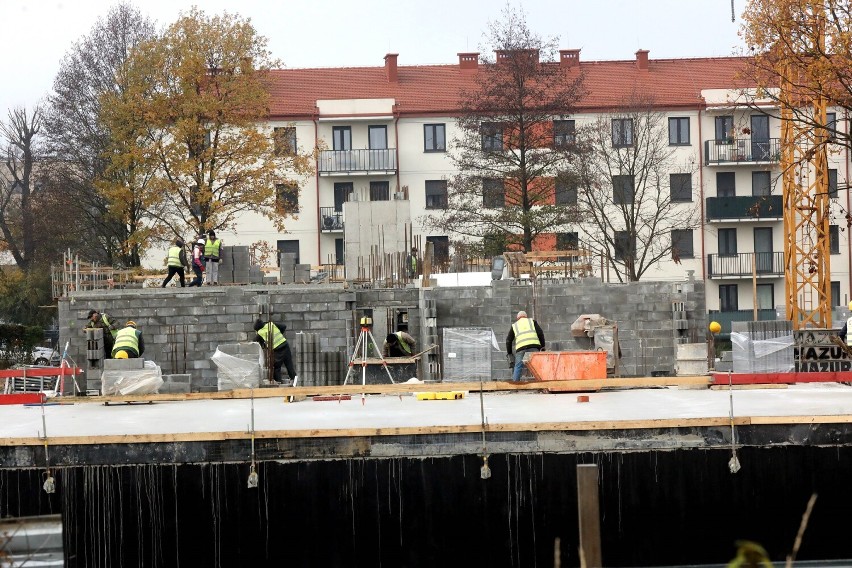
x: 765, y: 297
x: 284, y: 140
x: 622, y: 190
x: 724, y: 130
x: 832, y: 183
x: 831, y: 124
x: 835, y: 293
x: 834, y: 239
x: 436, y: 194
x: 625, y: 246
x: 287, y: 197
x: 342, y: 193
x: 622, y: 132
x: 567, y: 241
x: 680, y: 186
x: 440, y: 248
x: 378, y: 137
x: 434, y: 138
x: 342, y: 138
x: 682, y: 244
x: 725, y: 185
x: 728, y: 298
x: 492, y: 137
x: 288, y: 246
x: 566, y: 193
x: 493, y: 193
x: 761, y: 183
x: 338, y: 251
x: 679, y: 131
x: 379, y: 191
x: 563, y: 133
x: 727, y: 242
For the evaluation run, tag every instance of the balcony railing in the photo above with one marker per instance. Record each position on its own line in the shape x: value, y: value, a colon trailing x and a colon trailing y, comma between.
x: 330, y: 220
x: 355, y: 161
x: 741, y: 150
x: 747, y: 208
x: 742, y: 265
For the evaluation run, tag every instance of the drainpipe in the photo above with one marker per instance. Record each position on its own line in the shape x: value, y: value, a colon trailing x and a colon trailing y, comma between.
x: 846, y: 159
x: 317, y: 176
x: 396, y: 136
x: 701, y: 199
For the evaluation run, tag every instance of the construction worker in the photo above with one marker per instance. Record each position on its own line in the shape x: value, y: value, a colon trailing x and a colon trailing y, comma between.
x: 103, y: 321
x: 129, y: 343
x: 212, y: 256
x: 411, y: 263
x: 274, y: 333
x: 398, y: 344
x: 524, y: 335
x: 176, y: 262
x: 198, y: 262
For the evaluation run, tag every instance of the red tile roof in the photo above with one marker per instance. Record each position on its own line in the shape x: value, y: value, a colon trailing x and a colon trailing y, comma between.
x: 433, y: 89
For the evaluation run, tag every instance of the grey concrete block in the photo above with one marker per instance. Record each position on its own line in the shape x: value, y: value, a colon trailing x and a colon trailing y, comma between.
x: 124, y: 364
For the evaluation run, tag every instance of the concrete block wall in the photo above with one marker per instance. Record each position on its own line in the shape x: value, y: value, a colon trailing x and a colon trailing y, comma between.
x: 327, y: 312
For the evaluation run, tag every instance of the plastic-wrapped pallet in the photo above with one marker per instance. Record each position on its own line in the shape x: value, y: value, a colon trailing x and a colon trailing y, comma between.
x: 467, y: 353
x: 239, y: 365
x: 146, y: 380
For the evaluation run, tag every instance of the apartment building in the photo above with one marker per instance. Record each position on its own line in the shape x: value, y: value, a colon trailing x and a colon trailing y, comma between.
x: 386, y: 132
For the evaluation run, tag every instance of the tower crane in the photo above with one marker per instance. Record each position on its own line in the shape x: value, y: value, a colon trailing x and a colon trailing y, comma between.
x: 804, y: 166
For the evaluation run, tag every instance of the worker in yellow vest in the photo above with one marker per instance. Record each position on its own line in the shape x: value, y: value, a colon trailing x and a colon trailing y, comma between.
x: 399, y: 344
x: 524, y: 335
x: 110, y: 327
x: 129, y: 343
x: 411, y: 263
x: 176, y: 261
x: 212, y: 256
x: 270, y: 333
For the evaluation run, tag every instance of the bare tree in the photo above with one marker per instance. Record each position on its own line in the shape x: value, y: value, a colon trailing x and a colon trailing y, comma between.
x: 627, y: 184
x: 18, y: 190
x: 79, y: 138
x: 515, y: 140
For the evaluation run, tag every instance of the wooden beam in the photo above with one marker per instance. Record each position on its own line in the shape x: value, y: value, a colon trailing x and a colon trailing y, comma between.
x: 271, y: 392
x: 588, y: 511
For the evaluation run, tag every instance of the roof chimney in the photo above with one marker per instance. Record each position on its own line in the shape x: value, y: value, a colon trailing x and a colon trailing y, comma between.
x: 642, y: 59
x: 468, y: 60
x: 390, y: 67
x: 569, y: 58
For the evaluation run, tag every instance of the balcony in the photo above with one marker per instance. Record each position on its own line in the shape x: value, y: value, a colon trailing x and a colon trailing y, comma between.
x: 354, y: 162
x: 742, y: 151
x: 742, y: 265
x: 331, y: 221
x: 745, y: 208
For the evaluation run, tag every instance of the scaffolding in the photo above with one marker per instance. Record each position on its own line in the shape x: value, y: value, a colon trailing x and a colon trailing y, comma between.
x: 76, y: 275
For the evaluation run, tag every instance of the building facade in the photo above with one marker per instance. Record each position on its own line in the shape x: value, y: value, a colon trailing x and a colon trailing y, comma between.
x: 386, y: 132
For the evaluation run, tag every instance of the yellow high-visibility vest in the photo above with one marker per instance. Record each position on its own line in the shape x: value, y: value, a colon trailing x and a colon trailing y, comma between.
x: 278, y: 338
x: 525, y: 335
x: 126, y: 339
x: 174, y: 256
x: 211, y: 248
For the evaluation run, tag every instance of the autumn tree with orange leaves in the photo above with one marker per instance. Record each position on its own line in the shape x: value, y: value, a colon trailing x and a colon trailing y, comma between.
x: 195, y: 114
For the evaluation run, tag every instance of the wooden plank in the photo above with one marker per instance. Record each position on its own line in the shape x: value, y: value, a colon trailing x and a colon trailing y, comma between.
x: 588, y: 511
x: 374, y: 432
x: 271, y: 392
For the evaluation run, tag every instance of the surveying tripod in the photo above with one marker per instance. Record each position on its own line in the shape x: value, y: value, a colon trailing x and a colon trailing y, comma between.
x: 360, y: 353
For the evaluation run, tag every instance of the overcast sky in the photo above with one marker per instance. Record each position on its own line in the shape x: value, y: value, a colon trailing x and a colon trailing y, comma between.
x: 333, y: 33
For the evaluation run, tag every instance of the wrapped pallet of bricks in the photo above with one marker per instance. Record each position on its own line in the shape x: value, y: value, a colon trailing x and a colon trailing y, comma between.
x: 238, y: 365
x: 287, y: 264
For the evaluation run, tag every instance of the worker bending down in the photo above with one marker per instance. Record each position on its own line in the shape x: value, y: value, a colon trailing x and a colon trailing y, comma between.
x: 274, y: 334
x: 524, y: 335
x: 128, y: 342
x: 398, y: 344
